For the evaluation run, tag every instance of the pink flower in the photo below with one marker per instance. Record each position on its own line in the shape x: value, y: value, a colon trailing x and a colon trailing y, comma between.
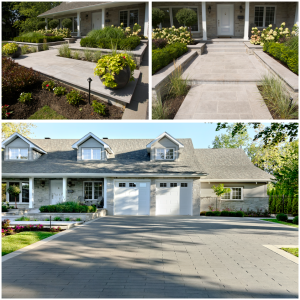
x: 124, y: 57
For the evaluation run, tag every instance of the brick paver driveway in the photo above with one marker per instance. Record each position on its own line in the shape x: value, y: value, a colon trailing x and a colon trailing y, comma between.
x: 157, y: 257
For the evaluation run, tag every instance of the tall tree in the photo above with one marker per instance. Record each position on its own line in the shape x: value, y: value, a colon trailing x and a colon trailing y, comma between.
x: 9, y: 17
x: 31, y: 10
x: 22, y: 128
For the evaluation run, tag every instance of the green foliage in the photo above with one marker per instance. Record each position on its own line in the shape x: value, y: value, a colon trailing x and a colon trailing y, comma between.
x: 25, y: 49
x: 224, y: 213
x: 281, y: 217
x: 64, y: 51
x: 295, y: 220
x: 67, y: 23
x: 60, y: 90
x: 177, y: 86
x: 41, y: 25
x: 14, y: 190
x: 9, y: 48
x: 107, y: 32
x: 46, y: 113
x: 68, y: 207
x: 97, y: 55
x: 76, y: 54
x: 220, y: 190
x: 173, y: 35
x: 48, y: 85
x: 186, y: 16
x: 88, y: 54
x: 231, y: 214
x: 67, y: 219
x: 202, y: 213
x: 159, y: 43
x: 99, y: 108
x: 62, y: 32
x: 216, y: 213
x: 109, y: 65
x: 209, y: 213
x: 158, y: 16
x: 57, y: 219
x: 78, y: 219
x: 25, y: 97
x: 162, y: 57
x: 292, y: 63
x: 239, y: 214
x: 160, y: 110
x: 36, y: 37
x: 53, y: 24
x: 23, y: 218
x: 74, y: 97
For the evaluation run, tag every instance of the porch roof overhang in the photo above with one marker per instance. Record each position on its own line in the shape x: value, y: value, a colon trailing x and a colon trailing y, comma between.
x: 87, y: 8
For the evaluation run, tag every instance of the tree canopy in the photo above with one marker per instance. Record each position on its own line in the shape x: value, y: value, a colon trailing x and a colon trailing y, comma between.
x: 22, y: 128
x: 158, y: 16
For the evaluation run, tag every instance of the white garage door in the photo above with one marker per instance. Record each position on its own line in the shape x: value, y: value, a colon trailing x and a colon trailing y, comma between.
x: 174, y: 198
x: 132, y: 197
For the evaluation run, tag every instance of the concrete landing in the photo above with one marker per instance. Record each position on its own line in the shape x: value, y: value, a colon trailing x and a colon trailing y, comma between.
x: 223, y: 102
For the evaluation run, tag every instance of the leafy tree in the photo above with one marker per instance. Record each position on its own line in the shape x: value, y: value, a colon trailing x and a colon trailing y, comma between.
x: 9, y: 17
x: 30, y: 11
x: 14, y: 190
x: 22, y: 128
x: 41, y: 25
x: 53, y: 23
x: 187, y: 16
x: 158, y: 16
x: 67, y: 23
x: 220, y: 190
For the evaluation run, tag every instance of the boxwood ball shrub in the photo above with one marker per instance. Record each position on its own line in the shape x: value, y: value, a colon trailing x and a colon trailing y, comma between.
x: 67, y: 23
x: 282, y: 217
x: 224, y: 213
x: 295, y: 220
x: 239, y: 214
x: 41, y: 25
x: 209, y: 213
x: 53, y: 23
x: 158, y: 16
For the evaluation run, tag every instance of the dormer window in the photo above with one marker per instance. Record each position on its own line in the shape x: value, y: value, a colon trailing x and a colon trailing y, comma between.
x: 18, y: 153
x: 91, y: 154
x: 164, y: 153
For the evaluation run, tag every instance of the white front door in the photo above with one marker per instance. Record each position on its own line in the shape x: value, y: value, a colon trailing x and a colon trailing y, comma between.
x: 97, y: 20
x: 56, y: 191
x: 225, y: 19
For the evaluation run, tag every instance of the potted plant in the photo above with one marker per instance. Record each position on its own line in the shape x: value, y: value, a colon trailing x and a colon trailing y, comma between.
x: 115, y: 70
x: 14, y: 190
x: 12, y: 50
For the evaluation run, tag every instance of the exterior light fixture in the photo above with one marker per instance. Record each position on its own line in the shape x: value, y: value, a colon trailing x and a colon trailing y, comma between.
x: 89, y: 81
x: 69, y: 183
x: 209, y: 9
x: 241, y: 9
x: 42, y: 183
x: 107, y: 14
x: 86, y: 16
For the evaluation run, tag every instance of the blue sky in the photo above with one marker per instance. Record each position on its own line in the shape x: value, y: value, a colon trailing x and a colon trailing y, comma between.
x: 202, y: 134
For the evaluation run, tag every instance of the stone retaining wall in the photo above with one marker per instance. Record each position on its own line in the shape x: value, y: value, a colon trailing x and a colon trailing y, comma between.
x: 39, y: 46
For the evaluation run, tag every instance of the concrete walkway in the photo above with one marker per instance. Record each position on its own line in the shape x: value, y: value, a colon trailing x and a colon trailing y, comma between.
x: 224, y: 86
x: 158, y: 257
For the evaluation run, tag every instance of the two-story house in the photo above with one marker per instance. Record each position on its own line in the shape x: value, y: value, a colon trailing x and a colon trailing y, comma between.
x: 163, y: 176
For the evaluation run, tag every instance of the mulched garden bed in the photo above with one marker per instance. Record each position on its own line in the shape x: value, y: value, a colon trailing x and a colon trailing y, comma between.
x: 41, y: 97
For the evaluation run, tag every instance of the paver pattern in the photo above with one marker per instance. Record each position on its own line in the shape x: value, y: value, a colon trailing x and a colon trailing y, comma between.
x: 157, y: 257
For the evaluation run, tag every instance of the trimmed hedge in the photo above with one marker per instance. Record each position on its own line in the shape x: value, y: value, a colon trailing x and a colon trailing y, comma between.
x: 49, y: 39
x: 295, y: 220
x: 162, y: 57
x: 232, y: 214
x: 107, y: 43
x: 68, y: 208
x: 224, y: 213
x: 239, y: 214
x: 209, y: 213
x: 282, y: 217
x: 217, y: 213
x: 284, y: 54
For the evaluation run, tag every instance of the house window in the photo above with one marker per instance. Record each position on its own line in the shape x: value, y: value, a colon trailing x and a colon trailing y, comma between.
x: 129, y: 17
x: 25, y: 192
x: 236, y: 193
x: 162, y: 184
x: 122, y: 184
x: 92, y: 190
x: 164, y: 154
x: 184, y: 184
x: 131, y: 184
x: 264, y: 16
x: 91, y: 154
x: 170, y: 17
x: 18, y: 153
x: 23, y: 196
x: 173, y: 184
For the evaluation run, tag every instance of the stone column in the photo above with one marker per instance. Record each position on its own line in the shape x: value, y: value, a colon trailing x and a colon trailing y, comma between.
x: 78, y: 24
x: 64, y: 189
x: 204, y: 21
x: 31, y: 192
x: 46, y: 20
x: 103, y: 18
x: 146, y: 23
x: 296, y: 15
x: 104, y: 193
x: 246, y: 27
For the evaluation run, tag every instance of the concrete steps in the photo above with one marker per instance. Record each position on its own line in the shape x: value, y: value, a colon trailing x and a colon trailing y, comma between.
x: 221, y: 47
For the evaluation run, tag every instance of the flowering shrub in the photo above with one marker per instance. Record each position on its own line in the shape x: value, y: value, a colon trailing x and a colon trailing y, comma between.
x: 25, y: 97
x: 48, y: 85
x: 16, y: 77
x: 173, y: 35
x: 5, y: 223
x: 10, y: 48
x: 57, y: 229
x: 62, y: 32
x: 99, y: 108
x: 59, y: 90
x: 74, y: 97
x: 109, y: 65
x: 5, y: 112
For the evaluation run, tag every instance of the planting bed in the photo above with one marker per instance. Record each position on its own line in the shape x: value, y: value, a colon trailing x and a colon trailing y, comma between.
x: 41, y: 97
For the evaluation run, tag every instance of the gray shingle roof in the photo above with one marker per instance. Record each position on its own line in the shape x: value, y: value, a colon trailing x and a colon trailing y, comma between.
x: 65, y: 6
x: 131, y: 156
x: 228, y: 164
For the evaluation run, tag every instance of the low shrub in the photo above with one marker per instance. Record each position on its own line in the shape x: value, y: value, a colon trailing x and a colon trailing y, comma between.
x: 99, y: 108
x: 67, y: 23
x: 15, y: 77
x: 231, y: 214
x: 88, y: 54
x: 57, y: 219
x: 97, y: 55
x: 74, y: 97
x: 4, y: 208
x: 295, y: 220
x: 78, y: 219
x: 68, y: 207
x: 76, y: 54
x: 67, y: 219
x: 159, y: 43
x: 162, y: 57
x: 107, y: 32
x: 23, y: 218
x: 239, y: 214
x: 41, y: 25
x: 25, y: 49
x: 224, y: 213
x: 59, y: 90
x: 209, y: 213
x: 5, y: 112
x: 9, y: 48
x: 38, y: 39
x: 62, y: 32
x: 5, y: 223
x: 25, y: 97
x: 216, y: 213
x: 202, y: 213
x: 282, y: 217
x: 173, y: 35
x: 48, y: 85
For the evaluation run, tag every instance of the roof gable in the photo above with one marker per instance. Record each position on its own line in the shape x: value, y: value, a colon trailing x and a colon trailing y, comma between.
x: 164, y: 135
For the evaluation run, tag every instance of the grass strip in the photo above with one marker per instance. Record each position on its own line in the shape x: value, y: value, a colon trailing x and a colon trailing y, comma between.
x: 46, y: 113
x: 293, y: 251
x: 281, y: 222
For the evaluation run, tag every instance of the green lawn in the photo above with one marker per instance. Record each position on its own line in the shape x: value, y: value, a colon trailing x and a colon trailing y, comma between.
x: 46, y: 113
x: 11, y: 243
x: 293, y: 251
x: 281, y: 222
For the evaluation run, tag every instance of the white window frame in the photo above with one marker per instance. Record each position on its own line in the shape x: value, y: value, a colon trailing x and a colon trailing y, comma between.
x: 264, y: 18
x: 19, y: 150
x: 183, y: 6
x: 128, y: 16
x: 92, y: 156
x: 20, y: 195
x: 234, y: 187
x: 93, y: 190
x: 165, y: 151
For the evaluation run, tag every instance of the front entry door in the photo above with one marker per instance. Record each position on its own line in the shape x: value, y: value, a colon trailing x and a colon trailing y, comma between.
x: 97, y: 20
x: 56, y: 191
x: 225, y: 19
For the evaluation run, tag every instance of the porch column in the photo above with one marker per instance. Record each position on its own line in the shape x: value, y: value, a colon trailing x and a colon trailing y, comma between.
x: 31, y: 192
x: 204, y: 21
x: 104, y: 193
x: 296, y: 15
x: 78, y: 24
x: 246, y: 28
x: 103, y: 18
x: 46, y: 20
x: 146, y: 23
x: 64, y: 189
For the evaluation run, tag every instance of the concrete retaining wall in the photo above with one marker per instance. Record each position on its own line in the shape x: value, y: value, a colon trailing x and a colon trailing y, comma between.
x: 39, y: 46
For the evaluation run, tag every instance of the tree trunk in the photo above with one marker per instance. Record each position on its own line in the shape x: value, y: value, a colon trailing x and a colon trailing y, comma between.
x: 16, y: 201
